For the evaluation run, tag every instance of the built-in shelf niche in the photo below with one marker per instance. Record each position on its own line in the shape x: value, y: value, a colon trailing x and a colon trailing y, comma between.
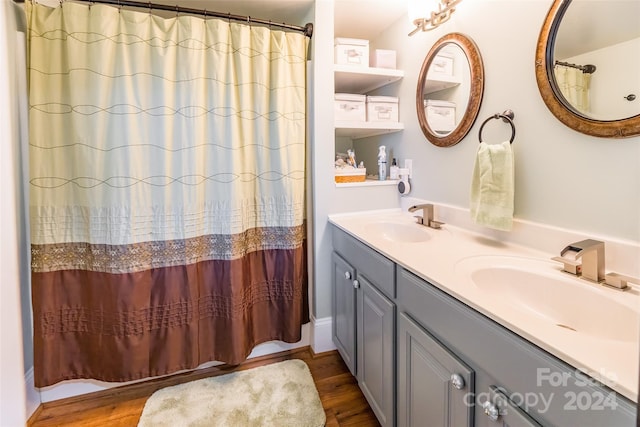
x: 361, y: 80
x: 358, y: 130
x: 352, y: 79
x: 367, y: 183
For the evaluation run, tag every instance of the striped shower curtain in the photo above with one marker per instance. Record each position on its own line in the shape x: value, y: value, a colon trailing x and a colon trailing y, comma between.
x: 167, y: 169
x: 574, y: 86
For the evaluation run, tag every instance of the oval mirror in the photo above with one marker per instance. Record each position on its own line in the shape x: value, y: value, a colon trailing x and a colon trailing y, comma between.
x: 450, y: 88
x: 587, y: 66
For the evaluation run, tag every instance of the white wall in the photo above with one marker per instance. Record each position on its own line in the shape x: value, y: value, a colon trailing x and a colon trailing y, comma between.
x: 563, y: 178
x: 328, y: 198
x: 13, y: 411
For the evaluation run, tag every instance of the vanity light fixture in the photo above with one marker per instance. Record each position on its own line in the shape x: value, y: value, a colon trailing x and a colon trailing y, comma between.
x: 441, y: 11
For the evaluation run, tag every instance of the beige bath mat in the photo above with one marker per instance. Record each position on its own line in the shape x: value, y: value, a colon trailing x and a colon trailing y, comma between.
x: 282, y: 394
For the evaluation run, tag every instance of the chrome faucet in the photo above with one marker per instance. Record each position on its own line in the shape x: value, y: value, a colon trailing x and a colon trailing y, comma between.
x: 591, y: 252
x: 427, y: 215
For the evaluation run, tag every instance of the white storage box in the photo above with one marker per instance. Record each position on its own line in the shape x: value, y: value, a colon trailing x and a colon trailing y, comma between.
x: 442, y: 65
x: 384, y: 59
x: 350, y: 107
x: 441, y: 115
x: 382, y: 109
x: 351, y: 52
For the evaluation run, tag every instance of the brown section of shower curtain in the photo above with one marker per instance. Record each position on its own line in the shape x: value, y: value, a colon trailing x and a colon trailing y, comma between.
x: 122, y: 327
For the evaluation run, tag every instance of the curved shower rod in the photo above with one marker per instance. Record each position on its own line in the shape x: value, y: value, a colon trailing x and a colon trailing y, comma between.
x: 307, y: 30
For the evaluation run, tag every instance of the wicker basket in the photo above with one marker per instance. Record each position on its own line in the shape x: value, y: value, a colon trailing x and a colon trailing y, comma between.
x: 350, y: 175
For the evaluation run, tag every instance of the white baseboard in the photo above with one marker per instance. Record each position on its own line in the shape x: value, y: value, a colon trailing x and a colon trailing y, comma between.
x: 321, y: 338
x: 80, y: 387
x: 33, y: 395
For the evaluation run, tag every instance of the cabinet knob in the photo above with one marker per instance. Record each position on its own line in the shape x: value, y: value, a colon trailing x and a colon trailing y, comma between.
x: 457, y: 381
x: 356, y: 284
x: 347, y: 275
x: 491, y: 410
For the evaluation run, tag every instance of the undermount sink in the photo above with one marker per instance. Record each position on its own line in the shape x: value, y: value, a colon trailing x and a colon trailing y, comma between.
x: 399, y: 232
x: 537, y: 287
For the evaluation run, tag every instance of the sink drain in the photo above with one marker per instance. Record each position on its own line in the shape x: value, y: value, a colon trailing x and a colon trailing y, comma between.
x: 566, y: 327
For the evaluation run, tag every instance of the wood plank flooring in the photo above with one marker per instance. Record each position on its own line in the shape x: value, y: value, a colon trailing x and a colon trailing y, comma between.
x: 341, y: 397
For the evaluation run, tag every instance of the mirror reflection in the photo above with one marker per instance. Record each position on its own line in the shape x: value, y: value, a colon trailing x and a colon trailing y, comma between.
x: 450, y: 88
x: 446, y: 89
x: 596, y: 63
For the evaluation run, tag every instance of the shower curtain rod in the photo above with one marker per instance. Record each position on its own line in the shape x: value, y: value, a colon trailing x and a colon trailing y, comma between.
x: 589, y: 68
x: 307, y: 30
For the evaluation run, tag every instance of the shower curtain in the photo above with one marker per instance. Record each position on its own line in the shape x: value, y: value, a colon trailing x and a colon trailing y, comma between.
x: 167, y: 169
x: 574, y: 85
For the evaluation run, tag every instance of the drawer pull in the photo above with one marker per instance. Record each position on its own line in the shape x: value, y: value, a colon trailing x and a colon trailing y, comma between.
x: 491, y: 410
x: 347, y: 275
x: 457, y: 381
x: 356, y: 284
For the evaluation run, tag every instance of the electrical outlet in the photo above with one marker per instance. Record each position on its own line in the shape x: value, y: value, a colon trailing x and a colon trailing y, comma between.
x: 408, y: 164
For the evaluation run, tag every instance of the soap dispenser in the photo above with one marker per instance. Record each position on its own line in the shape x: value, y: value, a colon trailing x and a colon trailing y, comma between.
x: 382, y: 163
x: 394, y: 170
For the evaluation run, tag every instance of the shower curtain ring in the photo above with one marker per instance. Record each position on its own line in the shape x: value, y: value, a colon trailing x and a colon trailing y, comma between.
x: 177, y: 11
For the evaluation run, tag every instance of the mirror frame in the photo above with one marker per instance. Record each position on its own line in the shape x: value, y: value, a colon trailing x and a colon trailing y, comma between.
x: 550, y: 92
x: 476, y: 70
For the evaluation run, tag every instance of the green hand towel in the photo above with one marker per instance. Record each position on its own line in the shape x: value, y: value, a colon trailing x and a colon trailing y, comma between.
x: 492, y: 186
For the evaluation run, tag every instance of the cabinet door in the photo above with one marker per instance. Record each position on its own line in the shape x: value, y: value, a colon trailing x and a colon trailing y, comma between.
x: 376, y: 328
x: 435, y: 388
x: 344, y: 310
x: 502, y: 412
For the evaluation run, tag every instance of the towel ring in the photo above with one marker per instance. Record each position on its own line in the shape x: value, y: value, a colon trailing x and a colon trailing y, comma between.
x: 506, y: 117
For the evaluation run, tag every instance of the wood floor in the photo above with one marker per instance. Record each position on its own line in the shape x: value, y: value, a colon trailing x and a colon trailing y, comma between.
x: 341, y: 397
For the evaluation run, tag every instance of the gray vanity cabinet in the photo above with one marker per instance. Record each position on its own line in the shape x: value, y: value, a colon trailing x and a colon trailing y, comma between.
x: 527, y: 385
x: 434, y: 385
x: 364, y: 320
x: 344, y: 308
x: 425, y: 359
x: 375, y: 349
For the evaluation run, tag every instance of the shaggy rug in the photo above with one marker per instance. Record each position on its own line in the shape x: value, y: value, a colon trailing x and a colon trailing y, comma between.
x: 282, y: 394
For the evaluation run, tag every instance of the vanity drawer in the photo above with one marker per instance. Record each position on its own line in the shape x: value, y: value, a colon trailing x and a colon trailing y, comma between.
x: 379, y: 270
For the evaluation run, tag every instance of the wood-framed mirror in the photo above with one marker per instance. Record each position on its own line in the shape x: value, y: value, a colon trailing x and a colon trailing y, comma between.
x: 449, y: 90
x: 587, y: 70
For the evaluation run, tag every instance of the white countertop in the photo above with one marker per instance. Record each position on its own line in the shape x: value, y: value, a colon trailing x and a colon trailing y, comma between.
x: 610, y: 360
